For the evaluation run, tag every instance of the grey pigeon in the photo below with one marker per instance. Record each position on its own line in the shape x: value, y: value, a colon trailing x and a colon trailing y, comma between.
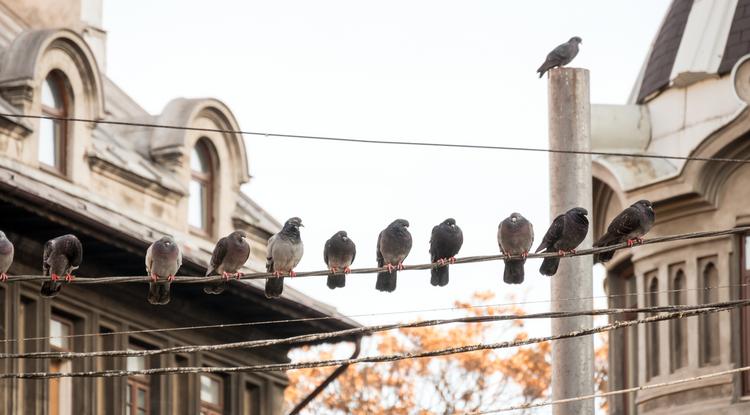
x: 338, y: 254
x: 62, y: 255
x: 6, y: 256
x: 515, y: 235
x: 163, y: 259
x: 561, y: 55
x: 230, y: 254
x: 285, y: 250
x: 445, y: 242
x: 564, y: 235
x: 394, y: 244
x: 629, y: 226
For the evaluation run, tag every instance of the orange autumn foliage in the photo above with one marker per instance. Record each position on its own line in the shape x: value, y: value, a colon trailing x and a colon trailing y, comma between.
x: 438, y: 385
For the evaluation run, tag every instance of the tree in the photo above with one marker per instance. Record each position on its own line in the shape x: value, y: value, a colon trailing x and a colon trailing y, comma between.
x: 439, y: 385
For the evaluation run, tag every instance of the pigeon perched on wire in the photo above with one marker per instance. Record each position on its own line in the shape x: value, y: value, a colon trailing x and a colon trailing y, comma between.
x: 561, y: 55
x: 230, y: 254
x: 445, y: 242
x: 564, y: 235
x: 62, y: 255
x: 285, y: 250
x: 6, y: 256
x: 394, y: 244
x: 338, y: 254
x: 515, y: 235
x: 163, y: 260
x: 629, y: 226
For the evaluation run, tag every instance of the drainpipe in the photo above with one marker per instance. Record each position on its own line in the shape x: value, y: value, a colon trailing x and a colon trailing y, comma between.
x: 336, y: 373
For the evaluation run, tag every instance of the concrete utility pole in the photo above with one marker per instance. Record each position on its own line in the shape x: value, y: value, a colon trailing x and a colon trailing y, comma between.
x: 570, y: 186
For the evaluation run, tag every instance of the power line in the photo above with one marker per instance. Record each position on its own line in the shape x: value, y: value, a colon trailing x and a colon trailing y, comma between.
x: 611, y: 393
x: 372, y: 141
x: 362, y: 331
x: 463, y: 260
x: 378, y: 314
x: 368, y: 359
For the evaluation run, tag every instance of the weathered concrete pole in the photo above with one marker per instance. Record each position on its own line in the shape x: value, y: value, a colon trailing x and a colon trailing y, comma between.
x: 570, y: 186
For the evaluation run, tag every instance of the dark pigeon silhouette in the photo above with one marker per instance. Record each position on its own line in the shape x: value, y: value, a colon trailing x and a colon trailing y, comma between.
x: 564, y: 235
x: 338, y: 254
x: 285, y: 250
x: 394, y: 244
x: 629, y: 226
x: 445, y: 243
x: 515, y: 235
x: 163, y: 260
x: 230, y: 254
x: 62, y: 255
x: 6, y: 256
x: 561, y: 55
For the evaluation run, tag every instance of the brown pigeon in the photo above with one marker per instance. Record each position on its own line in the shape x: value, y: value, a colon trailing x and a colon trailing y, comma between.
x: 230, y: 254
x: 515, y: 235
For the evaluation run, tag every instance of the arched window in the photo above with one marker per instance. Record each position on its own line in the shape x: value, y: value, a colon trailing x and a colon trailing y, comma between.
x: 201, y: 188
x: 678, y: 326
x: 709, y: 323
x: 53, y: 133
x: 652, y: 329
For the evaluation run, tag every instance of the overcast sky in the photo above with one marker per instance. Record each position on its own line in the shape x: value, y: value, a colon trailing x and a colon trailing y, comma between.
x: 445, y: 71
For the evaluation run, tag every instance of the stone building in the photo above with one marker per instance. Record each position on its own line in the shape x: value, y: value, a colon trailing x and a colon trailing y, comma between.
x: 690, y: 99
x: 119, y: 188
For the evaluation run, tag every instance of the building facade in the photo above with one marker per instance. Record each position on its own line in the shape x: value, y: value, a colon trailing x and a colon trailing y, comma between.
x: 690, y: 99
x: 118, y: 188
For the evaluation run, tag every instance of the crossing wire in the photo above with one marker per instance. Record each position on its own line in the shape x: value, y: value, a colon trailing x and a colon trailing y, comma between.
x: 371, y: 141
x: 371, y: 359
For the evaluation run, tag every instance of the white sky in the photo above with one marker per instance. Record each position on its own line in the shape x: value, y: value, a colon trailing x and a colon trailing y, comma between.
x: 447, y: 71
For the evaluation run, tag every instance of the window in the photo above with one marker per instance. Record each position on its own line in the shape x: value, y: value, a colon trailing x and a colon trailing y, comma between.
x: 61, y: 389
x: 137, y: 396
x: 709, y: 323
x: 251, y: 400
x: 212, y: 395
x: 201, y: 187
x: 678, y: 326
x: 53, y: 133
x: 652, y: 329
x: 745, y: 314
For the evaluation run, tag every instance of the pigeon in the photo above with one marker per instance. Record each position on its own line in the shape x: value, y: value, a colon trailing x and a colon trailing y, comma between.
x: 394, y: 244
x: 163, y: 259
x: 515, y: 235
x: 285, y: 250
x: 561, y: 55
x: 6, y: 256
x: 230, y: 254
x: 629, y: 226
x: 61, y: 256
x: 338, y: 254
x: 564, y: 235
x: 445, y: 243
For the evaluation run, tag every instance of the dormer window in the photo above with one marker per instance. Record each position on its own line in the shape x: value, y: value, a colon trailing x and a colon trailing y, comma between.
x: 53, y: 133
x: 201, y: 188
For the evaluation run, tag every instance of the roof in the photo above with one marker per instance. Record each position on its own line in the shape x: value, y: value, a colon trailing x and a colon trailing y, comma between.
x: 738, y: 41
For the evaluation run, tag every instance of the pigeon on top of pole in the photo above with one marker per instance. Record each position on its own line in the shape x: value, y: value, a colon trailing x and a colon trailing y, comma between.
x: 561, y: 55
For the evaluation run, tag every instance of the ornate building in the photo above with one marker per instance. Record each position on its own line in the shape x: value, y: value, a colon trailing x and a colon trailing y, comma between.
x: 119, y: 188
x: 690, y: 99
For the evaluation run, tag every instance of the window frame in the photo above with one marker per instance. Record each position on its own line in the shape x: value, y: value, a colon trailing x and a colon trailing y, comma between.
x: 61, y: 362
x: 210, y: 408
x: 136, y: 383
x: 744, y: 275
x: 709, y: 327
x: 206, y: 180
x: 678, y: 328
x: 653, y: 340
x: 57, y: 80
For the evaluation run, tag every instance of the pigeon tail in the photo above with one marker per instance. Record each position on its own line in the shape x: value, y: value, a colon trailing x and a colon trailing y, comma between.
x: 513, y: 273
x: 386, y: 281
x: 549, y: 266
x: 158, y: 293
x: 51, y: 288
x: 215, y: 288
x: 439, y: 276
x: 336, y: 281
x: 274, y: 287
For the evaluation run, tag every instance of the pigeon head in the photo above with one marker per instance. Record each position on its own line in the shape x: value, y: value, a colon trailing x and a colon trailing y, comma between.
x: 2, y: 236
x: 400, y: 223
x: 575, y: 39
x: 449, y: 222
x: 342, y: 235
x: 294, y: 222
x: 166, y: 245
x: 515, y: 217
x: 644, y: 204
x: 579, y: 211
x: 238, y: 235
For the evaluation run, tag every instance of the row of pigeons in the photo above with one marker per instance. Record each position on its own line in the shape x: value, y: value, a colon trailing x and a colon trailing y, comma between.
x: 515, y: 236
